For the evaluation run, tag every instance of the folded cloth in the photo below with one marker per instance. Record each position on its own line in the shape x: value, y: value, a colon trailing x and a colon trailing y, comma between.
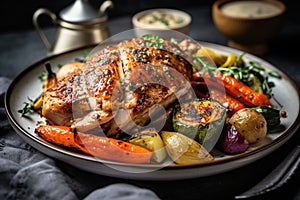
x: 121, y: 191
x: 26, y: 173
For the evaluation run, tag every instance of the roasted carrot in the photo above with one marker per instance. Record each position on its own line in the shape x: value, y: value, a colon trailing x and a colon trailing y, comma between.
x: 244, y: 93
x: 235, y: 88
x: 232, y: 104
x: 61, y: 135
x: 98, y: 146
x: 112, y: 149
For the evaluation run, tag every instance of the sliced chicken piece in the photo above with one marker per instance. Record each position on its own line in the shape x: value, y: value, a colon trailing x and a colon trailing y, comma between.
x: 118, y: 87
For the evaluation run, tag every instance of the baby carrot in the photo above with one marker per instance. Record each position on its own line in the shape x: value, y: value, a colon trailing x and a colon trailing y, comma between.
x: 98, y: 146
x: 112, y: 149
x: 235, y: 88
x: 60, y: 135
x: 232, y: 104
x: 243, y: 92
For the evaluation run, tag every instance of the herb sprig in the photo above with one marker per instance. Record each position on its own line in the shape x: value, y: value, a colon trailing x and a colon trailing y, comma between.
x: 244, y: 73
x: 27, y: 107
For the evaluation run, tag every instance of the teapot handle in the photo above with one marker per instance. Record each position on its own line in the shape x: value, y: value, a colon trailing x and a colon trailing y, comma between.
x: 105, y: 5
x: 39, y: 12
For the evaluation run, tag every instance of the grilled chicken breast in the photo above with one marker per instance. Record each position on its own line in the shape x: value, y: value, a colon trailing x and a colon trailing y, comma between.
x: 117, y: 89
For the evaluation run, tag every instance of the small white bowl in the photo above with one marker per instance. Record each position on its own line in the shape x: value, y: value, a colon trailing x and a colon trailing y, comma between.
x: 183, y: 27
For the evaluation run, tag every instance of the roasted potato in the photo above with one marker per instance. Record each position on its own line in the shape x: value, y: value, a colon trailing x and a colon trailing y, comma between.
x: 184, y: 150
x: 250, y: 123
x: 68, y: 69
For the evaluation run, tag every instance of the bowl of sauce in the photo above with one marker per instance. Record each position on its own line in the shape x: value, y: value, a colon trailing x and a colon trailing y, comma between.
x: 162, y: 19
x: 249, y: 25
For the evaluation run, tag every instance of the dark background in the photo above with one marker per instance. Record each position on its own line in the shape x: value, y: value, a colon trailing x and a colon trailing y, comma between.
x: 20, y: 47
x: 17, y: 14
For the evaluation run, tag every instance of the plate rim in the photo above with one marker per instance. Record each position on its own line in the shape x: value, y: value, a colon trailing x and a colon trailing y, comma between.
x: 266, y: 148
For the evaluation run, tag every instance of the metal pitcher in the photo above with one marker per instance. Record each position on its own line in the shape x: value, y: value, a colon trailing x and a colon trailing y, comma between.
x: 79, y: 25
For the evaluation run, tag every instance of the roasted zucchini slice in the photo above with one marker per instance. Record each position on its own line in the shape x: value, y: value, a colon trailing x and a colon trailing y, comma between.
x: 271, y: 115
x: 200, y: 119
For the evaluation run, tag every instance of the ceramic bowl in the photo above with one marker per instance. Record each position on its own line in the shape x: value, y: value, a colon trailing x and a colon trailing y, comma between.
x: 250, y: 32
x: 162, y: 19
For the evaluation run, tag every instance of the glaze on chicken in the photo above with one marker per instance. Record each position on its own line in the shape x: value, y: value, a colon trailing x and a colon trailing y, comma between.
x: 118, y: 86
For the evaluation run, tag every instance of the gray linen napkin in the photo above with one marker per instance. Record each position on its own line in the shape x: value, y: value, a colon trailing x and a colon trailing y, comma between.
x: 26, y: 173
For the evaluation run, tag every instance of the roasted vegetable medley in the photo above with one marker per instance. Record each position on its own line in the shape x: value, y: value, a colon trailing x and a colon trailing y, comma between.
x: 231, y: 109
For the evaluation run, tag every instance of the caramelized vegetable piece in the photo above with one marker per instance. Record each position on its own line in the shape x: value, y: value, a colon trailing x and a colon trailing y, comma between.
x: 98, y: 146
x: 232, y: 104
x: 218, y: 59
x: 112, y: 149
x: 152, y: 141
x: 231, y: 141
x: 50, y: 81
x: 68, y: 69
x: 233, y: 87
x: 237, y: 89
x: 230, y: 61
x: 184, y: 150
x: 250, y: 123
x: 60, y: 135
x: 200, y: 119
x: 51, y: 78
x: 38, y: 103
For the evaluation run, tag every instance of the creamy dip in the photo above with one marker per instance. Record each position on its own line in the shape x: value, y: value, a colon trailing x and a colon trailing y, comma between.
x: 250, y: 9
x: 161, y: 20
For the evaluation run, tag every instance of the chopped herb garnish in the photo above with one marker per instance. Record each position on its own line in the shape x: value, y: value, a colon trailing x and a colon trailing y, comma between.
x: 163, y: 21
x: 153, y: 41
x: 83, y: 58
x: 49, y: 79
x: 43, y: 76
x: 173, y: 40
x: 27, y: 107
x: 80, y: 59
x: 179, y: 21
x: 274, y: 74
x: 86, y: 54
x: 132, y: 86
x: 240, y: 57
x: 59, y: 66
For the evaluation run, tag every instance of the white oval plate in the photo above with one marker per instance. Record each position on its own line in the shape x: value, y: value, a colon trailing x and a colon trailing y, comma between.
x: 27, y: 84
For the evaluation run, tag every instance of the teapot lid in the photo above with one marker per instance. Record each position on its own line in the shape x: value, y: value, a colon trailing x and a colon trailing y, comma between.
x: 81, y: 11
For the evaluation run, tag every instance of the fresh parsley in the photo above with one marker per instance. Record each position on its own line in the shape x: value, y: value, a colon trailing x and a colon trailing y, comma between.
x: 43, y: 76
x: 153, y: 41
x: 27, y: 107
